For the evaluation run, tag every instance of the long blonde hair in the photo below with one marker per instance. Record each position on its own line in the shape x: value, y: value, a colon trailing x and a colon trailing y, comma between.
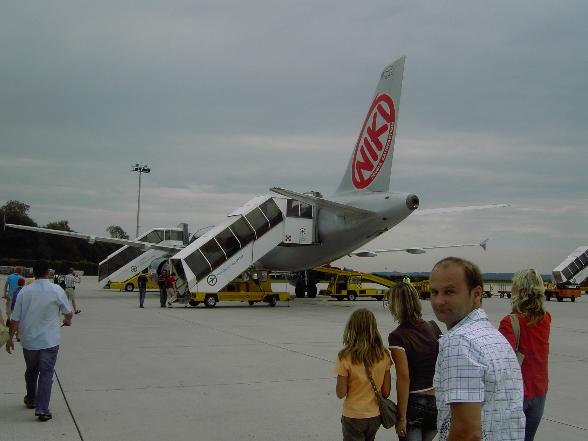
x: 404, y: 303
x: 528, y: 294
x: 361, y: 339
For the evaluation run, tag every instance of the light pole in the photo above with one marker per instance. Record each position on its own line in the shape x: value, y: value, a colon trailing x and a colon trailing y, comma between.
x: 139, y: 169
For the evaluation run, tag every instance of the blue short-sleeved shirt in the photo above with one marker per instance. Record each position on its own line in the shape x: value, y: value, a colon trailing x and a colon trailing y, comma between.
x: 12, y: 281
x: 38, y: 310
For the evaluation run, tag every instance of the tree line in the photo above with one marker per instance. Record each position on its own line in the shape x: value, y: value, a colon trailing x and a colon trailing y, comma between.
x: 24, y: 248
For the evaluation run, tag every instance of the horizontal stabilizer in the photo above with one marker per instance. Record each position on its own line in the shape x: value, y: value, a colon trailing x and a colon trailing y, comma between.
x: 417, y: 250
x: 92, y: 239
x: 320, y: 202
x: 458, y: 209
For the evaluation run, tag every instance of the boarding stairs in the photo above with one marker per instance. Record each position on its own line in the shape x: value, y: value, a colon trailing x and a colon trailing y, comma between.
x: 574, y: 264
x: 128, y: 261
x: 220, y: 255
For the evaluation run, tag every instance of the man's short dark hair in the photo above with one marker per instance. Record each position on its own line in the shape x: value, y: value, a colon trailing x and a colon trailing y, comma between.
x: 40, y: 269
x: 473, y: 275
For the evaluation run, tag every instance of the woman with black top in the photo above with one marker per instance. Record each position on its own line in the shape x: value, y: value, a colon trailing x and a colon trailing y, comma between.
x: 414, y: 347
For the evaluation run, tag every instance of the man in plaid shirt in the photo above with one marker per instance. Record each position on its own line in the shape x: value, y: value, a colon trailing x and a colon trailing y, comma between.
x: 478, y: 382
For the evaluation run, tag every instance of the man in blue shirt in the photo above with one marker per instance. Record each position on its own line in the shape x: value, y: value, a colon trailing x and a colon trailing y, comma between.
x: 10, y: 287
x: 37, y: 317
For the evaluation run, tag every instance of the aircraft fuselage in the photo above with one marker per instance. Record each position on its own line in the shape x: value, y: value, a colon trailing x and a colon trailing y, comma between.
x: 341, y: 233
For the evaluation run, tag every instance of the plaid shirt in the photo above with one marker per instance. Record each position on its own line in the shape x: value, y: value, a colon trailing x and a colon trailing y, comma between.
x: 477, y: 365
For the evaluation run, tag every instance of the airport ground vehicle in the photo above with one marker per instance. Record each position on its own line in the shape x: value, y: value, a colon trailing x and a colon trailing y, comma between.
x: 490, y: 291
x: 504, y: 289
x: 131, y: 284
x: 565, y: 286
x: 562, y: 291
x: 423, y: 288
x: 252, y: 286
x: 26, y: 271
x: 350, y: 285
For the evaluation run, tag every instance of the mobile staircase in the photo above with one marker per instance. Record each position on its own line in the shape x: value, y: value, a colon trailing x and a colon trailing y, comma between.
x: 214, y: 260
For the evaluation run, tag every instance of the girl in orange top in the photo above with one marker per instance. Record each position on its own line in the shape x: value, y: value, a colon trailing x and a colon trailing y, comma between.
x: 362, y: 343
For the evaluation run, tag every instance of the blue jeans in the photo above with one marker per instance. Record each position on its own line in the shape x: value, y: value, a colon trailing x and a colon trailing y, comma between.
x: 421, y: 418
x: 533, y: 409
x: 39, y: 376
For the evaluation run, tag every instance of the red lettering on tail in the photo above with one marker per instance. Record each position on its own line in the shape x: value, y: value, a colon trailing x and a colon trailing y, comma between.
x: 378, y: 134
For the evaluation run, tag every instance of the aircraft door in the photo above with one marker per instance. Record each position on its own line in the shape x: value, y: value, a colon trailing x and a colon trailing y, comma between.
x: 300, y: 227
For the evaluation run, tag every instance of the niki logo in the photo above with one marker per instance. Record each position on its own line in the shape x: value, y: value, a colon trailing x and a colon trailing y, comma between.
x: 374, y: 141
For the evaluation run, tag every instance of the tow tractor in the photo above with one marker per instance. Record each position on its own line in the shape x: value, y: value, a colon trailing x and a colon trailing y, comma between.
x: 345, y: 284
x: 565, y: 286
x: 131, y: 284
x: 252, y: 286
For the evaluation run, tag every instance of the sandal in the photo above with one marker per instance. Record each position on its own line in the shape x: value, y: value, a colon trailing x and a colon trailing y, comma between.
x: 77, y: 311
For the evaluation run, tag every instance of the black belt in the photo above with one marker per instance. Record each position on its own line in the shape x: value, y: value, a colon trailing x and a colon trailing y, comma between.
x: 70, y: 287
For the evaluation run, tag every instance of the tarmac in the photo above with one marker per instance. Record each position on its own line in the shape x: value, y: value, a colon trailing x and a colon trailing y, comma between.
x: 235, y: 371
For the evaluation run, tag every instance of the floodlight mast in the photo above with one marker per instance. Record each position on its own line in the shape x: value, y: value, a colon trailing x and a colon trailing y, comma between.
x: 140, y: 169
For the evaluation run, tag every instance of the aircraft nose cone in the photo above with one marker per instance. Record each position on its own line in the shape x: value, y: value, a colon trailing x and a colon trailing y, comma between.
x: 412, y: 201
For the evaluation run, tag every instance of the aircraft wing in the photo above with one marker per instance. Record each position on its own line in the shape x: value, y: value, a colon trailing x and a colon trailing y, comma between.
x: 416, y: 250
x: 320, y: 202
x: 425, y: 211
x: 92, y: 239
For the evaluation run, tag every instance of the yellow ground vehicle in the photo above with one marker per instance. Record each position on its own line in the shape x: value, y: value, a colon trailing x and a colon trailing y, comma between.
x: 252, y: 286
x: 351, y: 284
x: 562, y: 291
x: 423, y: 288
x: 131, y: 284
x: 564, y: 276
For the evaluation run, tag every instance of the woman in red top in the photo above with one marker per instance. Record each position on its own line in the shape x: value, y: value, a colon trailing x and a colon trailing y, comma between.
x: 534, y: 323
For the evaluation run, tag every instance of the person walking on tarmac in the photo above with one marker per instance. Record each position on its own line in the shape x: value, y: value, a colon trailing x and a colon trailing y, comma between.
x: 171, y: 289
x: 70, y: 280
x: 10, y: 286
x: 142, y: 281
x: 162, y: 282
x: 37, y: 316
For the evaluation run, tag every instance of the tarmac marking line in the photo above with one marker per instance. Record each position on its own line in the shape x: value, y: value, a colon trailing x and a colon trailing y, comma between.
x: 69, y: 407
x: 573, y: 426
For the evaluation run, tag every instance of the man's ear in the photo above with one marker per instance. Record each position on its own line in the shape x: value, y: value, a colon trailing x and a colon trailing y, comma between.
x: 477, y: 293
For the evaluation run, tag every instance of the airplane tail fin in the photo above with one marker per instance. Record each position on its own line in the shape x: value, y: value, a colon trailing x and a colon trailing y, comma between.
x: 370, y: 165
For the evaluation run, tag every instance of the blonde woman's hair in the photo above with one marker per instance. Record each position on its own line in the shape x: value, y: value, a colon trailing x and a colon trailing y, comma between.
x: 362, y: 340
x: 528, y: 293
x: 404, y: 303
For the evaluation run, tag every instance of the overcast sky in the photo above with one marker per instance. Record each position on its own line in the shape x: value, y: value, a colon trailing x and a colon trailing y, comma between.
x: 224, y: 99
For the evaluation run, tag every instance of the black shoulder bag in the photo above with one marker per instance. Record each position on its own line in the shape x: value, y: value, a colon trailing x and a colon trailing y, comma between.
x: 388, y: 407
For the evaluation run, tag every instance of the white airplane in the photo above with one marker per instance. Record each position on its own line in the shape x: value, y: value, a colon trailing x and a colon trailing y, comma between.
x: 290, y: 231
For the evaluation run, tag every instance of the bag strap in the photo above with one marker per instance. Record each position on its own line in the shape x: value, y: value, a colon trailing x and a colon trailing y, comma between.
x: 374, y: 388
x: 516, y: 329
